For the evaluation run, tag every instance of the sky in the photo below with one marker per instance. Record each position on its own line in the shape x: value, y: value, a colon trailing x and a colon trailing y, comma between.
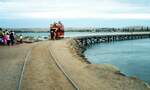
x: 74, y: 13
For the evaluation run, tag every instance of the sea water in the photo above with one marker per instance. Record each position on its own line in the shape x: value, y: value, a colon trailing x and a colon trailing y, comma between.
x: 46, y: 34
x: 66, y: 34
x: 132, y: 57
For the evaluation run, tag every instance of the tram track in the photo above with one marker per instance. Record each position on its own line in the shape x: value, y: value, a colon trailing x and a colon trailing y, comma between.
x: 26, y: 59
x: 54, y: 58
x: 23, y: 69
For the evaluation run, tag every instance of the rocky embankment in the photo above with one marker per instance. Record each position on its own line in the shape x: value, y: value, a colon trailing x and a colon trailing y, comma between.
x: 107, y: 73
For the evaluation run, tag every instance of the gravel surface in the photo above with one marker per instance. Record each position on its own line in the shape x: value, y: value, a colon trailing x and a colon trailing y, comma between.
x: 11, y: 61
x: 42, y: 73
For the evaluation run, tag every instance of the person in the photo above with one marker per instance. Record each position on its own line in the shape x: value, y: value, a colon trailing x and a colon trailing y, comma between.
x: 61, y: 30
x: 61, y: 26
x: 12, y: 38
x: 1, y: 41
x: 1, y: 36
x: 21, y: 37
x: 1, y: 33
x: 55, y: 28
x: 51, y: 31
x: 5, y: 38
x: 8, y: 38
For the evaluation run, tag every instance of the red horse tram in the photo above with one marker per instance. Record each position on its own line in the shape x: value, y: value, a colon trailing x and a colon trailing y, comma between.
x: 57, y: 30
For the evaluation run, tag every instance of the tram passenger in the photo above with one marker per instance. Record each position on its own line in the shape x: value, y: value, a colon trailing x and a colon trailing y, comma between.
x: 55, y: 28
x: 60, y: 30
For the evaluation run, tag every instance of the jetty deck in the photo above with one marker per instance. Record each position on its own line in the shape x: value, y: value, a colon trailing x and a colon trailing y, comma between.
x: 92, y: 39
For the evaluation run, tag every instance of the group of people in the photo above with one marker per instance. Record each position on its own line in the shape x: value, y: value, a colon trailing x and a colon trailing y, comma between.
x: 57, y: 30
x: 6, y: 37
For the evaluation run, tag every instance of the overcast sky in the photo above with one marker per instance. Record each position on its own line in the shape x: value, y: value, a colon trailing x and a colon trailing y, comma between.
x: 75, y: 9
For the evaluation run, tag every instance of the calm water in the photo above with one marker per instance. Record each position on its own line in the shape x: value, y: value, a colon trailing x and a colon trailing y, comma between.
x: 67, y: 34
x: 132, y: 57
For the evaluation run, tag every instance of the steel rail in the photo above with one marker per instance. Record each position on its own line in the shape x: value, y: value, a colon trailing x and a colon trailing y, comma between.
x: 63, y: 71
x: 23, y: 69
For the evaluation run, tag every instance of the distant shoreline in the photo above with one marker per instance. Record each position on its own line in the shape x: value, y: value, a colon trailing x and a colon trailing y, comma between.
x: 86, y: 29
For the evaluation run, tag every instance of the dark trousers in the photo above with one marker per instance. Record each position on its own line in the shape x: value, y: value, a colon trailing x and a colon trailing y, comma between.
x: 52, y: 34
x: 8, y: 42
x: 12, y: 41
